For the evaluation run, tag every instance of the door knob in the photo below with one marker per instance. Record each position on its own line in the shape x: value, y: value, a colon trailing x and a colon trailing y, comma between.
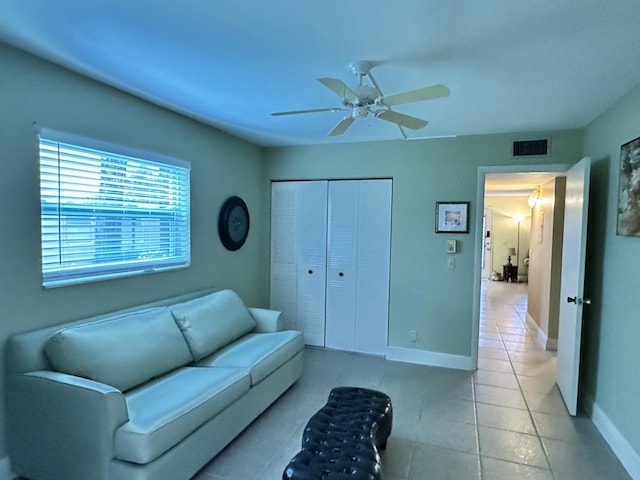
x: 310, y: 272
x: 341, y: 274
x: 578, y: 301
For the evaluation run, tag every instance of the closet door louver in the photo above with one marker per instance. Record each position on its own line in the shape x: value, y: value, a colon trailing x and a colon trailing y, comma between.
x: 298, y: 256
x: 284, y: 241
x: 342, y: 262
x: 374, y: 258
x: 312, y: 258
x: 358, y: 257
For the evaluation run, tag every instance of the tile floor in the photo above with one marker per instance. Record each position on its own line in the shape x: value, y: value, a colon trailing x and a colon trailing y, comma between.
x: 504, y: 421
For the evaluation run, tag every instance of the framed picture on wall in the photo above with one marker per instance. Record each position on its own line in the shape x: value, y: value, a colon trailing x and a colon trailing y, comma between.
x: 629, y: 190
x: 452, y: 217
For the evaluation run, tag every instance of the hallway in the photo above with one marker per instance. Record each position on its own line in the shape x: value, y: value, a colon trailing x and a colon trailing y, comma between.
x: 520, y: 413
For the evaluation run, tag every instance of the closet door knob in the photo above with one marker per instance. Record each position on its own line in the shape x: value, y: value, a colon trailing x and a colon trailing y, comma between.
x: 341, y: 274
x: 310, y: 272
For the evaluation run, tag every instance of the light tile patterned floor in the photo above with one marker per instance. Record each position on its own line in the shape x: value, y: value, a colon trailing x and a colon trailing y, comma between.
x: 504, y: 421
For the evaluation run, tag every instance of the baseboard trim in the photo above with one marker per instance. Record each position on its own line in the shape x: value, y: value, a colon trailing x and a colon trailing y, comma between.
x: 536, y: 331
x: 540, y: 336
x: 5, y: 469
x: 629, y: 458
x: 432, y: 359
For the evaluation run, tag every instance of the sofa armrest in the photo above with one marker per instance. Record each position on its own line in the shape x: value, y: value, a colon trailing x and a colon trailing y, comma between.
x: 269, y: 321
x: 62, y: 426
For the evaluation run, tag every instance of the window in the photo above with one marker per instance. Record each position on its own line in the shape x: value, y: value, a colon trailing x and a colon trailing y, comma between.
x: 106, y: 214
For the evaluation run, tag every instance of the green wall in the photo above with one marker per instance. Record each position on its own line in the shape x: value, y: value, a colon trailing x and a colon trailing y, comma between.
x: 611, y: 355
x: 424, y: 295
x: 35, y: 91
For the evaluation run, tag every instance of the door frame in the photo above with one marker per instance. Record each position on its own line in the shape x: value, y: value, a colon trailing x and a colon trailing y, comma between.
x: 479, y: 236
x: 486, y: 228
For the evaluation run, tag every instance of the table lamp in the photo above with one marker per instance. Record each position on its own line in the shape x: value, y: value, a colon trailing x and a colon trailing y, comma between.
x: 509, y: 252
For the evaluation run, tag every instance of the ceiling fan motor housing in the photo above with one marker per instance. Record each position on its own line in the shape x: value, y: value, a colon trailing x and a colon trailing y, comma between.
x: 360, y: 112
x: 366, y: 96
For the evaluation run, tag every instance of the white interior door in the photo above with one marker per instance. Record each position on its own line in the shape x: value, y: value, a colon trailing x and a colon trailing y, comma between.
x: 284, y: 241
x: 358, y: 264
x: 312, y: 260
x: 572, y: 283
x: 487, y: 247
x: 330, y: 261
x: 298, y: 256
x: 342, y: 249
x: 374, y: 257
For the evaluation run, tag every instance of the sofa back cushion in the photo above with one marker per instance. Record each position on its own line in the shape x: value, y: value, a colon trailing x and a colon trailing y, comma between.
x: 122, y: 352
x: 213, y: 321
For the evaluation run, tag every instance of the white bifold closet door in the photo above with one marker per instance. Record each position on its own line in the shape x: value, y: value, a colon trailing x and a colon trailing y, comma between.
x: 330, y: 254
x: 358, y: 263
x: 298, y: 256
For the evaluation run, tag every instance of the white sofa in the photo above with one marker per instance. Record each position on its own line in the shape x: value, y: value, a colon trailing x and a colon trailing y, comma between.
x: 151, y: 393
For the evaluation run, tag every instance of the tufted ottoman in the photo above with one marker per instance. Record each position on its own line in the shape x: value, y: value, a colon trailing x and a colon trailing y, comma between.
x: 342, y: 439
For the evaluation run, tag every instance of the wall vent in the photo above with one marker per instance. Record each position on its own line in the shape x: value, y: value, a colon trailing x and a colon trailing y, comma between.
x: 528, y: 148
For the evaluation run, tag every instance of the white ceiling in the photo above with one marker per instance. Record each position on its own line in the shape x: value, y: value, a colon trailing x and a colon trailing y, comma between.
x: 516, y: 184
x: 511, y: 65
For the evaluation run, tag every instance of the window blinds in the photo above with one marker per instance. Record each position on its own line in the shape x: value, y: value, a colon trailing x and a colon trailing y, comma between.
x: 105, y: 215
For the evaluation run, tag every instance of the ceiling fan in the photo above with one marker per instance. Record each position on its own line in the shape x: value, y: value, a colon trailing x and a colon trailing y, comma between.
x: 363, y: 100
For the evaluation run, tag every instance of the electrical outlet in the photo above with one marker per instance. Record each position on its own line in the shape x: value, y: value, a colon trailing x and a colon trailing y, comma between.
x: 451, y: 263
x: 413, y: 336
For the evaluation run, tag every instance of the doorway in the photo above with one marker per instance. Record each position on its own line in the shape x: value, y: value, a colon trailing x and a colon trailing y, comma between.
x: 567, y: 244
x: 512, y: 181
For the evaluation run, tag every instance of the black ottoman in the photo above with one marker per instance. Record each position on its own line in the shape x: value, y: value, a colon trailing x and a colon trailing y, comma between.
x: 341, y: 441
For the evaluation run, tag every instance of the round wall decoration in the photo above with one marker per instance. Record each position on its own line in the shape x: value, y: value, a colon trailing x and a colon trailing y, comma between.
x: 233, y: 223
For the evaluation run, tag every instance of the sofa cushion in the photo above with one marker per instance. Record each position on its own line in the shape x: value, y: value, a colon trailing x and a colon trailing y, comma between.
x: 213, y: 321
x: 260, y: 353
x: 123, y: 352
x: 166, y: 410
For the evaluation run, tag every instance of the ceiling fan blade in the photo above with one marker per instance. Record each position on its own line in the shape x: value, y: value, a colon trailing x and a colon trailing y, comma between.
x: 339, y: 88
x: 342, y: 126
x: 418, y: 95
x: 401, y: 119
x: 313, y: 110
